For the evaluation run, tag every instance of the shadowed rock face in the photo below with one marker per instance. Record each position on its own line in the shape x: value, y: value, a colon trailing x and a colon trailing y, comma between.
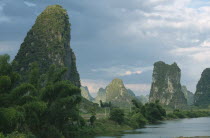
x: 202, y: 94
x: 86, y: 94
x: 188, y: 95
x: 48, y: 42
x: 166, y: 85
x: 101, y: 95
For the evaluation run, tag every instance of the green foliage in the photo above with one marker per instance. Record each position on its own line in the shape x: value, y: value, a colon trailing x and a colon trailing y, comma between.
x: 5, y: 84
x: 43, y: 106
x: 34, y: 74
x: 171, y: 116
x: 117, y: 115
x: 202, y: 94
x: 59, y: 90
x: 154, y: 112
x: 179, y: 114
x: 104, y: 104
x: 51, y: 132
x: 8, y: 77
x: 187, y: 114
x: 137, y: 104
x: 16, y: 134
x: 55, y: 74
x: 92, y: 119
x: 34, y: 112
x: 47, y: 43
x: 151, y: 111
x: 137, y: 120
x: 10, y: 119
x: 1, y: 135
x: 5, y: 66
x: 24, y: 93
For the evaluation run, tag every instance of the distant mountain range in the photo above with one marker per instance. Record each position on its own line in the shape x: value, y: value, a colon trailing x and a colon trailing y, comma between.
x: 116, y: 93
x: 166, y: 88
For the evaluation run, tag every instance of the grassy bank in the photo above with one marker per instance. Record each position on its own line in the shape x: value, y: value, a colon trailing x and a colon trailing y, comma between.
x: 108, y: 127
x: 187, y: 114
x: 105, y: 126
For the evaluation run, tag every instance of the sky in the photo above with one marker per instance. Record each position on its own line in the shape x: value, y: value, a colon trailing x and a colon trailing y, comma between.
x: 122, y: 38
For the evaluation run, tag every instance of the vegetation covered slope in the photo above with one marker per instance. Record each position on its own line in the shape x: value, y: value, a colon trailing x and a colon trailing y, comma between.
x: 116, y: 93
x: 202, y: 94
x: 45, y: 110
x: 166, y: 85
x: 47, y: 43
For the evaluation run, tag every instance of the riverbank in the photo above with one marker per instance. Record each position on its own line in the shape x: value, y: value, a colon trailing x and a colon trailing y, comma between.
x: 104, y: 127
x: 107, y: 127
x: 176, y: 128
x: 196, y: 137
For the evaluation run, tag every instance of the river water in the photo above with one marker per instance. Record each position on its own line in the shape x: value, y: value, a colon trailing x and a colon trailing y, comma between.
x: 195, y: 127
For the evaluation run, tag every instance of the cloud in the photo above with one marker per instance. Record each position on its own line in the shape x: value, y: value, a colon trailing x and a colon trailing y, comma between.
x: 122, y: 38
x: 94, y: 85
x: 131, y: 73
x: 29, y: 4
x: 122, y: 70
x: 193, y: 60
x: 8, y: 47
x: 3, y: 18
x: 200, y: 53
x: 139, y: 89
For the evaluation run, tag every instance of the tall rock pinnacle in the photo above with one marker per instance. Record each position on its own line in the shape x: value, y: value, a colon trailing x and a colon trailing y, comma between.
x: 166, y: 85
x: 48, y: 42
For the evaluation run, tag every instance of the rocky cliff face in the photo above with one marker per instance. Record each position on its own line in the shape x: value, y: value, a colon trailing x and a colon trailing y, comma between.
x: 166, y: 85
x: 143, y: 99
x: 202, y: 94
x: 116, y: 93
x: 85, y: 93
x: 188, y: 95
x: 48, y: 42
x: 101, y: 95
x: 131, y: 92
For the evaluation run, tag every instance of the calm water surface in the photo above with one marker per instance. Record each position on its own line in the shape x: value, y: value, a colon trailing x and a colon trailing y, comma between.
x: 170, y: 129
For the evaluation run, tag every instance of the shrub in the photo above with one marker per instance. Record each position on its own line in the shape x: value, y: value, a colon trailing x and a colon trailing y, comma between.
x: 17, y: 134
x: 1, y: 135
x: 51, y: 132
x: 92, y: 119
x: 138, y: 120
x: 171, y: 116
x: 117, y: 115
x: 154, y: 112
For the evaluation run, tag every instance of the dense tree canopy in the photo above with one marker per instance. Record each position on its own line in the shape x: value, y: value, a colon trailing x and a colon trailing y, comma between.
x: 42, y: 104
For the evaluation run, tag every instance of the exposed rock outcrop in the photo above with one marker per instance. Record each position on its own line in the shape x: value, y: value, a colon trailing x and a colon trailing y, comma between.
x: 116, y: 93
x: 188, y: 95
x: 101, y: 95
x: 166, y: 85
x: 131, y: 92
x: 47, y: 43
x: 202, y: 94
x: 85, y: 93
